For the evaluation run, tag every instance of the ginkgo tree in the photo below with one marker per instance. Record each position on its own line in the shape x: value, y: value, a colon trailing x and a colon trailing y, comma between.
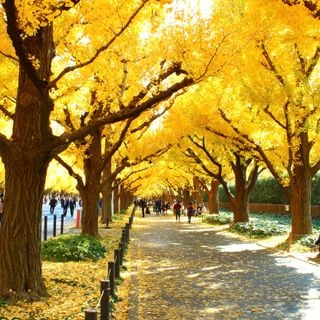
x: 270, y: 105
x: 28, y: 35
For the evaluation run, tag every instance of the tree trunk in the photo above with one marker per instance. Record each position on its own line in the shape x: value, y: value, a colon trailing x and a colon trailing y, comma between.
x: 26, y: 160
x: 116, y: 198
x: 90, y: 211
x: 106, y: 191
x: 186, y: 197
x: 20, y: 236
x: 126, y: 199
x: 213, y: 197
x: 239, y: 201
x: 300, y: 194
x: 91, y: 190
x: 107, y: 202
x: 196, y: 190
x: 240, y: 208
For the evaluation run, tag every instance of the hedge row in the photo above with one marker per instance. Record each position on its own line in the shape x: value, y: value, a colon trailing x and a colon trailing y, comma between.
x: 268, y: 190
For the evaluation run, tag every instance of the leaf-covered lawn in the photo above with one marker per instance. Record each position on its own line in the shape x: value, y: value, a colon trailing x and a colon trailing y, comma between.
x: 72, y: 286
x: 264, y: 225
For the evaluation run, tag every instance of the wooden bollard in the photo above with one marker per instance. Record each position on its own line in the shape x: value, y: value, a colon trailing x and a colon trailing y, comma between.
x: 121, y: 248
x: 117, y: 263
x: 45, y: 228
x: 111, y: 274
x: 127, y: 228
x: 105, y: 298
x: 90, y: 314
x: 124, y: 236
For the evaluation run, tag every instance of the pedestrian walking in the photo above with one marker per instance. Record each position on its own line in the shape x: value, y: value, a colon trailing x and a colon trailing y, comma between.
x: 52, y: 203
x: 143, y: 205
x: 190, y: 211
x: 72, y: 205
x: 158, y: 206
x: 177, y: 210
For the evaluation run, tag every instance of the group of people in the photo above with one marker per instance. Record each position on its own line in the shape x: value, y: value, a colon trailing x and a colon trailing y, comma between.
x: 67, y: 202
x: 191, y: 210
x: 161, y: 207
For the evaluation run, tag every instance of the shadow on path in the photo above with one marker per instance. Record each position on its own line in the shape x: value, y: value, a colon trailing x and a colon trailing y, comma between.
x: 195, y: 271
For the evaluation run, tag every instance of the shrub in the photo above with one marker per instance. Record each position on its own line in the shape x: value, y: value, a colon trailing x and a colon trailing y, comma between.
x: 307, y: 241
x: 221, y: 218
x: 258, y: 229
x: 72, y: 248
x: 268, y: 190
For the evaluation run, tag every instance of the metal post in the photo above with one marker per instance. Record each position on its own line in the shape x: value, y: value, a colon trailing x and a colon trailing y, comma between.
x: 105, y: 298
x: 62, y: 224
x: 54, y: 225
x: 45, y: 228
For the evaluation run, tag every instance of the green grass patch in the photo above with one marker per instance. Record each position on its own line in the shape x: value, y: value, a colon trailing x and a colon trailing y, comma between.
x: 217, y: 219
x: 259, y: 229
x: 308, y: 241
x: 264, y: 225
x: 72, y: 248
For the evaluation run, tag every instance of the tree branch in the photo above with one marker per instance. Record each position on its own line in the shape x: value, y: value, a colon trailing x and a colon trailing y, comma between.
x: 70, y: 170
x: 9, y: 56
x: 103, y: 48
x: 4, y: 110
x: 270, y: 66
x: 60, y: 143
x: 15, y: 35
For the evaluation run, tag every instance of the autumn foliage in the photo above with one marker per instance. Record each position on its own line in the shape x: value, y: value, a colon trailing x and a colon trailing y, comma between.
x: 144, y: 96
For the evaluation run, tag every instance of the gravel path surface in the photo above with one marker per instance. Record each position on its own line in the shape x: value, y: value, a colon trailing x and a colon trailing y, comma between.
x: 195, y: 271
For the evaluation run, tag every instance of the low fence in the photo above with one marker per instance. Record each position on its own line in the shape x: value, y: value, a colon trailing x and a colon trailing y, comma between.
x: 56, y: 225
x: 107, y: 286
x: 45, y: 230
x: 271, y: 208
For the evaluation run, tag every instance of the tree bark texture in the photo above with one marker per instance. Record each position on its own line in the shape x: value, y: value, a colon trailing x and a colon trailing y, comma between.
x: 239, y: 201
x: 91, y: 190
x: 116, y: 198
x: 196, y: 194
x: 213, y: 197
x: 107, y: 202
x: 126, y: 199
x: 300, y: 191
x: 186, y: 197
x: 26, y: 162
x: 20, y: 236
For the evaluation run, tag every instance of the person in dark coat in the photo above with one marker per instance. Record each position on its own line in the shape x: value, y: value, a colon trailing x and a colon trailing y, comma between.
x: 190, y: 211
x: 52, y: 203
x: 65, y: 207
x: 72, y: 205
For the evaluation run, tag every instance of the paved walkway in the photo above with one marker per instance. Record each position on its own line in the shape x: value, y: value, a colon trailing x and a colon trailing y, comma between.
x: 195, y: 271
